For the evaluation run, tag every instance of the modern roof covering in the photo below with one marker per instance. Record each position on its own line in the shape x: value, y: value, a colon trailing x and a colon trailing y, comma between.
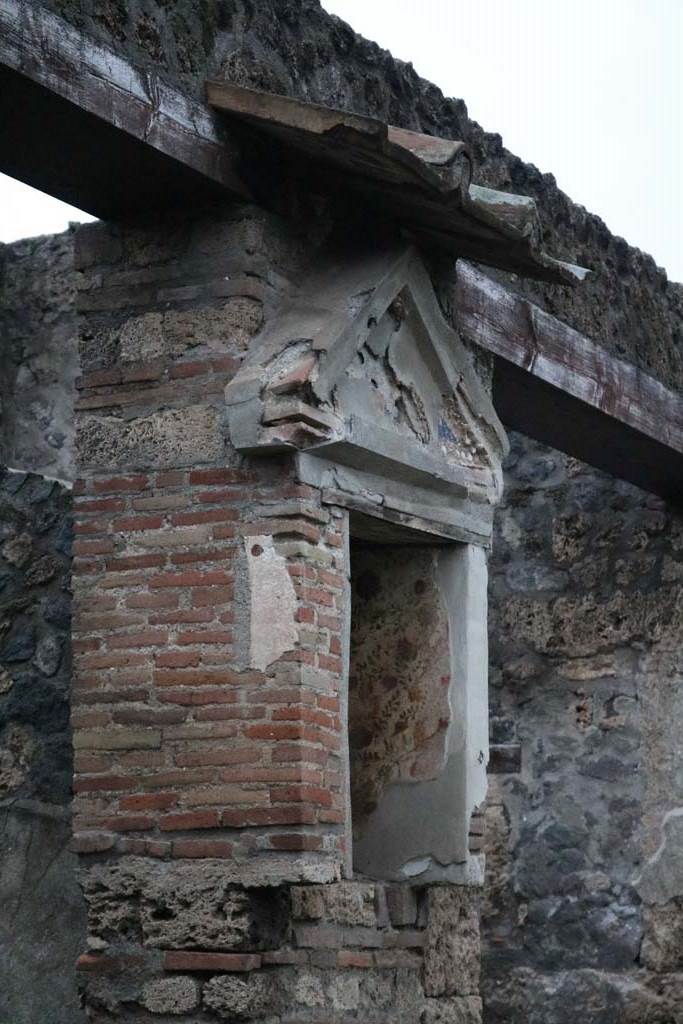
x: 422, y: 181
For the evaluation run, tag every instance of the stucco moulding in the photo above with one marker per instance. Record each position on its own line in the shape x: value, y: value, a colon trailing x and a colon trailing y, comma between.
x: 364, y: 381
x: 422, y: 181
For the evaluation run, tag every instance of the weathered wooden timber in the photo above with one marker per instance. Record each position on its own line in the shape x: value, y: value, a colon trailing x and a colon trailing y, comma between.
x: 81, y: 123
x: 557, y: 386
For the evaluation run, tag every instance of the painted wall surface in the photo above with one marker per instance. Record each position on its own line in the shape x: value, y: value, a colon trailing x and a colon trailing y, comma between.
x: 583, y: 904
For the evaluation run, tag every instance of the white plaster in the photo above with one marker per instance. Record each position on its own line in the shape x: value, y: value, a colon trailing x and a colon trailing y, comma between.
x: 273, y: 603
x: 661, y: 878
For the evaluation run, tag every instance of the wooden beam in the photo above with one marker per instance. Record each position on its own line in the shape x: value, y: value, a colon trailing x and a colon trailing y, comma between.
x: 557, y: 386
x: 80, y: 122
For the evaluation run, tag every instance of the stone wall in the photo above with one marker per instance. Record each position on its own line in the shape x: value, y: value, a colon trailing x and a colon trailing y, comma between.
x: 583, y: 902
x: 294, y: 47
x: 42, y: 925
x: 339, y: 952
x: 38, y: 355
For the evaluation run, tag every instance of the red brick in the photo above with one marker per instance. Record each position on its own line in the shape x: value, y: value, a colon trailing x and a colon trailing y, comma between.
x: 226, y: 364
x: 152, y: 638
x: 192, y: 848
x: 192, y: 677
x: 220, y: 476
x: 190, y: 578
x: 328, y: 703
x: 144, y: 847
x: 185, y: 617
x: 315, y: 595
x: 290, y: 696
x: 243, y: 755
x: 274, y: 731
x: 224, y: 714
x: 178, y: 960
x: 188, y: 821
x: 301, y: 794
x: 88, y: 527
x: 211, y: 596
x: 270, y: 773
x: 190, y: 369
x: 141, y: 759
x: 198, y: 697
x: 135, y: 562
x: 289, y: 752
x: 178, y: 777
x: 331, y: 579
x: 109, y: 621
x: 177, y: 659
x: 206, y: 636
x: 212, y: 555
x: 303, y: 657
x: 332, y: 817
x: 128, y: 823
x: 92, y: 547
x: 330, y: 664
x: 216, y: 497
x: 134, y: 524
x: 214, y: 515
x: 149, y: 716
x: 124, y: 484
x: 298, y: 814
x: 305, y: 614
x: 100, y: 505
x: 142, y: 600
x: 148, y: 802
x: 84, y: 646
x: 304, y: 714
x: 223, y: 532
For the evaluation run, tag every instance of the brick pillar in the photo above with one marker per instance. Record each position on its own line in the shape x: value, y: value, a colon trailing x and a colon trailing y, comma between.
x: 211, y: 594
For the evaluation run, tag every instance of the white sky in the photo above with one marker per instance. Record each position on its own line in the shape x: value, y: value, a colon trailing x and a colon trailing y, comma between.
x: 591, y: 90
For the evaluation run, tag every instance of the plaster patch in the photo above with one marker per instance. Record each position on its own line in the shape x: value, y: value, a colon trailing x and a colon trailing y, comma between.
x: 662, y: 876
x: 273, y: 629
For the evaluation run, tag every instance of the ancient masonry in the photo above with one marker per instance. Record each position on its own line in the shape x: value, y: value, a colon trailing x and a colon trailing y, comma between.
x: 323, y: 696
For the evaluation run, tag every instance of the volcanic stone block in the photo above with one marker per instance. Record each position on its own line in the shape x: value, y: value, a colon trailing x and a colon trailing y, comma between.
x: 451, y: 965
x: 237, y: 999
x: 170, y: 995
x: 196, y: 909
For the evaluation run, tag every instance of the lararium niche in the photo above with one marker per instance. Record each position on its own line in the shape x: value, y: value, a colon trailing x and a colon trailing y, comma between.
x: 364, y: 382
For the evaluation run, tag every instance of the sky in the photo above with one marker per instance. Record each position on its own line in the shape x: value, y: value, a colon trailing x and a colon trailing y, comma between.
x: 590, y: 90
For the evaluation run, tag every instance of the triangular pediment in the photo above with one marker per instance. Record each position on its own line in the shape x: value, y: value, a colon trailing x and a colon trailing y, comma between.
x: 360, y: 369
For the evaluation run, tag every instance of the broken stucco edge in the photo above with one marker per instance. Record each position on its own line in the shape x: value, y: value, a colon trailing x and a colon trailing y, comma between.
x: 270, y: 587
x: 661, y: 878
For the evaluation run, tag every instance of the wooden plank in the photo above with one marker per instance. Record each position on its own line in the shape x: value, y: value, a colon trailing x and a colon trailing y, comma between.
x: 80, y: 122
x: 421, y: 182
x: 559, y: 387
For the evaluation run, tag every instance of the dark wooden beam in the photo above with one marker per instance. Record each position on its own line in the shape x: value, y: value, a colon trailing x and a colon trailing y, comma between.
x: 557, y: 386
x: 81, y: 123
